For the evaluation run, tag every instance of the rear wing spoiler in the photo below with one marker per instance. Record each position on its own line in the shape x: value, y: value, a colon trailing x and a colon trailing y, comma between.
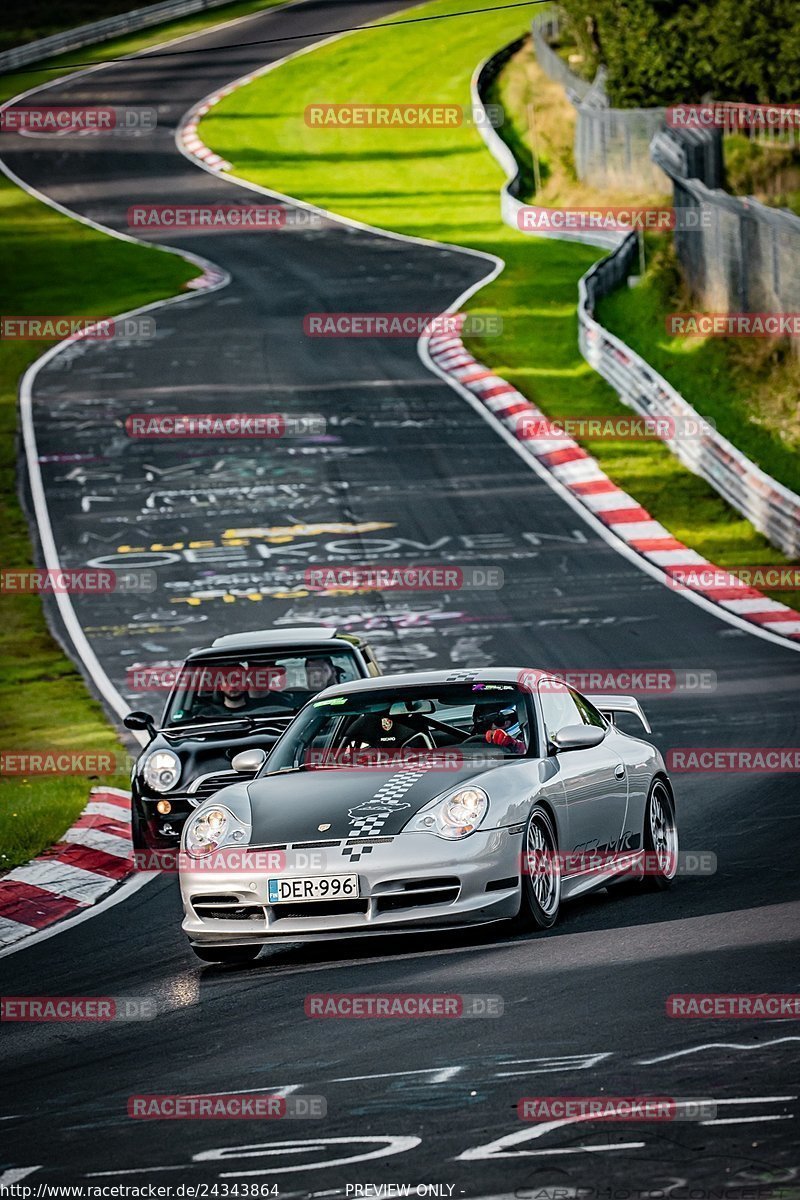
x: 610, y: 705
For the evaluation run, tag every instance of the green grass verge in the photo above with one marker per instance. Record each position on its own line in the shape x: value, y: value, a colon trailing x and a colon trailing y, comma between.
x: 443, y: 184
x: 768, y: 170
x: 51, y: 264
x: 47, y: 261
x: 748, y: 389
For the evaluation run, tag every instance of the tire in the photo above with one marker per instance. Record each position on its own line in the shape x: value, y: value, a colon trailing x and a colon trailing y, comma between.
x: 660, y: 838
x: 227, y: 954
x: 540, y: 877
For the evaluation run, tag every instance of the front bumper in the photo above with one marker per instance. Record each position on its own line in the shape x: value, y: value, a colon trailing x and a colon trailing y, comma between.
x: 412, y: 881
x: 153, y: 831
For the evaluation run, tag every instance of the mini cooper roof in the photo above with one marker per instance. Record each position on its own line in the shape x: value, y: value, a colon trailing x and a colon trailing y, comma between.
x: 307, y: 637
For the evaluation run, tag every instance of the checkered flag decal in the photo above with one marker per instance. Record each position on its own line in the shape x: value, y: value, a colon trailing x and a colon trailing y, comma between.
x: 354, y: 853
x: 375, y: 811
x: 461, y: 677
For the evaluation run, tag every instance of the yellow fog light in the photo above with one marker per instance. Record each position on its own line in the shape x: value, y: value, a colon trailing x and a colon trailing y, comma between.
x: 164, y: 807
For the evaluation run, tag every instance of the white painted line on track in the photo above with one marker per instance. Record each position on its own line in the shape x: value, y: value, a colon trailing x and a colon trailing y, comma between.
x: 749, y: 1120
x: 647, y: 1062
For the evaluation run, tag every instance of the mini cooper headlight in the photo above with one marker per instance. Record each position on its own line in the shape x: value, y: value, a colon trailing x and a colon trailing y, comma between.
x: 456, y: 816
x: 205, y: 831
x: 162, y: 770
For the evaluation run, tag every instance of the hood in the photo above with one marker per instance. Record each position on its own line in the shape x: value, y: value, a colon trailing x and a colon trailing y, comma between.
x: 209, y: 752
x: 291, y: 807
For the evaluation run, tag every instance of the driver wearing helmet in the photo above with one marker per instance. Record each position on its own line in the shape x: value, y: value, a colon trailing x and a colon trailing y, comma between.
x: 503, y: 729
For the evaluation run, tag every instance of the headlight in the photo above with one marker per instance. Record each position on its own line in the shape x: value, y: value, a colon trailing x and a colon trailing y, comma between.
x: 162, y: 770
x: 205, y: 832
x: 456, y: 816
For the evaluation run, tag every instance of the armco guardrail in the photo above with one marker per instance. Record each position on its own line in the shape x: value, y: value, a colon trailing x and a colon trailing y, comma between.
x: 772, y: 509
x: 101, y: 31
x: 510, y: 204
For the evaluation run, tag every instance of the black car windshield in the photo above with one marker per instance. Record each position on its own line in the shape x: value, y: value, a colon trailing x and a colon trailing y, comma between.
x: 387, y: 726
x: 255, y: 686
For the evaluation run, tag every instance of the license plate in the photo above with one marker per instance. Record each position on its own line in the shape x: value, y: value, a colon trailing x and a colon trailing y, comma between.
x: 315, y: 887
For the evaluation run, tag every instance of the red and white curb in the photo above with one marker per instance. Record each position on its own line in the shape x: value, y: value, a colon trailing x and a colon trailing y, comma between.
x: 573, y: 467
x: 92, y: 858
x: 191, y: 142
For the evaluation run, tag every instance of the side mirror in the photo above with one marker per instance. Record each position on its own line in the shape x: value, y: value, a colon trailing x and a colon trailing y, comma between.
x: 578, y: 737
x: 139, y: 721
x: 248, y: 762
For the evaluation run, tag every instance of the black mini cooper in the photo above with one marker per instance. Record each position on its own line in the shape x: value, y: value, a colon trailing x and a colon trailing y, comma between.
x: 228, y: 706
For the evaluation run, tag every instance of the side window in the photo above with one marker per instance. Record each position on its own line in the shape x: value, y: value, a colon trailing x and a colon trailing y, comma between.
x: 589, y: 714
x: 558, y: 706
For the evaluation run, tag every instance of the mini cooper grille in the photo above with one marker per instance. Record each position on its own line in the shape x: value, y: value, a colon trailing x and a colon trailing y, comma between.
x: 416, y: 893
x: 209, y: 787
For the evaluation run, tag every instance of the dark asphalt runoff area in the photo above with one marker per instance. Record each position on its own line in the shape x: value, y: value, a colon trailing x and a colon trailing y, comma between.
x: 407, y: 472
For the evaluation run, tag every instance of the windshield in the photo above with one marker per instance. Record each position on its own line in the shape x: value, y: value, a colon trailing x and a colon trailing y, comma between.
x: 263, y: 685
x: 384, y: 725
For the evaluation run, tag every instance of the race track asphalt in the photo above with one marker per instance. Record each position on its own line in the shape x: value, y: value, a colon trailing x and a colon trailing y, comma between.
x: 405, y: 456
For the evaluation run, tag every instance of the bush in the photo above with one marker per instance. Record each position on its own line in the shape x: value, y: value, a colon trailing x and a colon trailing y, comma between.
x: 667, y: 52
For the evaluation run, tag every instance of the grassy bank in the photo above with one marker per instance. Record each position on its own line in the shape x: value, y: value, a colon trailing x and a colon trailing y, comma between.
x: 443, y: 184
x: 51, y: 264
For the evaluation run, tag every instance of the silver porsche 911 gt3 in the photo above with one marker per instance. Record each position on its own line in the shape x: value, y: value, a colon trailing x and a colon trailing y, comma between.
x: 423, y: 801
